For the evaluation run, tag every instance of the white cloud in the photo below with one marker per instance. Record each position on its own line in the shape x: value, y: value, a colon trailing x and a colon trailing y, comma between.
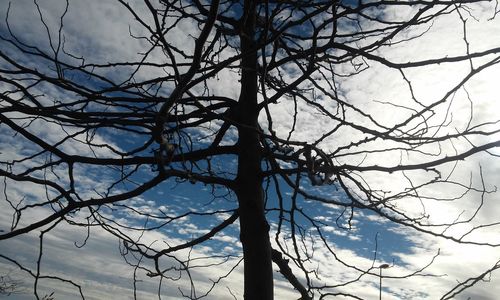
x: 102, y: 271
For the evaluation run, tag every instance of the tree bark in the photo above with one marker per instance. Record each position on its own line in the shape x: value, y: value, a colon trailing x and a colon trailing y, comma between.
x: 254, y: 229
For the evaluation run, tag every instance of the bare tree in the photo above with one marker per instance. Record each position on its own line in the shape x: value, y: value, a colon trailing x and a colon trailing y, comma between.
x: 160, y: 118
x: 9, y: 286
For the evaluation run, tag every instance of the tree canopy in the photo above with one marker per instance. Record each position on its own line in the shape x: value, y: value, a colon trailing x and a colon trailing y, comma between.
x: 243, y: 137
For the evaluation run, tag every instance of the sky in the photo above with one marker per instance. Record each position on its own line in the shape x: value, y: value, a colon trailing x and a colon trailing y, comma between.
x: 100, y: 32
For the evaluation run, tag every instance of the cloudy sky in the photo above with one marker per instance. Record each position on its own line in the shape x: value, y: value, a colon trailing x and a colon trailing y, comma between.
x: 101, y: 32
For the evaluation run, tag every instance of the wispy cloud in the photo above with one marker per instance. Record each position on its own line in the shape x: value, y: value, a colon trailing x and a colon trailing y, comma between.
x: 99, y: 267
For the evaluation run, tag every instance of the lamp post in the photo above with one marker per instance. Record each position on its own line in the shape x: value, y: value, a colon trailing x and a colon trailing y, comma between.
x: 382, y: 266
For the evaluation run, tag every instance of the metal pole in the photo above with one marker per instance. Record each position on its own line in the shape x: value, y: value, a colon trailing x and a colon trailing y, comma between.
x: 380, y: 289
x: 382, y: 266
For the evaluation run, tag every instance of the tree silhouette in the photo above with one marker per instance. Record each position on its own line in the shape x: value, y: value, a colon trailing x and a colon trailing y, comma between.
x: 9, y: 286
x: 246, y: 100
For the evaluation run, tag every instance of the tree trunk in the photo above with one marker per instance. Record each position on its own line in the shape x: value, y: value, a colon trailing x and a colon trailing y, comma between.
x: 254, y: 229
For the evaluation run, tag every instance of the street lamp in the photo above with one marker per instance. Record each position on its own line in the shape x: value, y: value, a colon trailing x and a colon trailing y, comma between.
x: 382, y: 266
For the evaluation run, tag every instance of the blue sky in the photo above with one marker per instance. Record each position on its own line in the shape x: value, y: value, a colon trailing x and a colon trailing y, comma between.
x: 99, y: 31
